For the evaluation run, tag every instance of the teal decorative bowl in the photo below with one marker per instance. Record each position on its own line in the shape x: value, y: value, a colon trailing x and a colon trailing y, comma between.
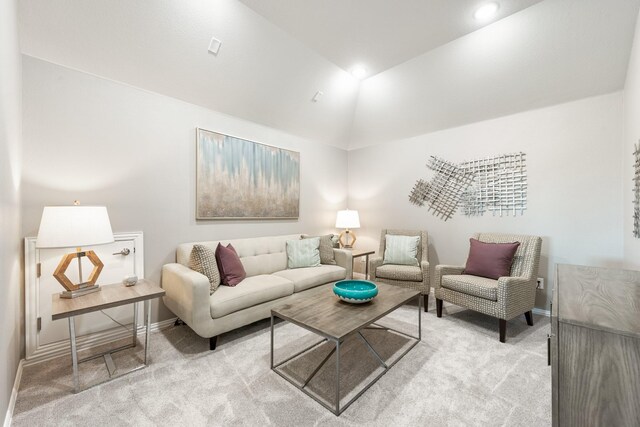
x: 355, y: 291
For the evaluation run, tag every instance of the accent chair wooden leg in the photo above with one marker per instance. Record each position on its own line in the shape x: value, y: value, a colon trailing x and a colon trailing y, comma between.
x: 212, y: 343
x: 529, y: 317
x: 503, y: 329
x: 425, y: 297
x: 439, y: 307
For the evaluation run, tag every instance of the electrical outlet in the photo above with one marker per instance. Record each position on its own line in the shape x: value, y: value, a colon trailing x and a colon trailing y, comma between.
x: 540, y: 284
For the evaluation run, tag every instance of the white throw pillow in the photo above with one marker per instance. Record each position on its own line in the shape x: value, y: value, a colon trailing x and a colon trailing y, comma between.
x: 401, y: 250
x: 303, y: 253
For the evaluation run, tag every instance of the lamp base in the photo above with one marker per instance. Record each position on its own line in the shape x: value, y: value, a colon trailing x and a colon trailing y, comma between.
x: 80, y: 292
x: 348, y: 242
x: 78, y: 289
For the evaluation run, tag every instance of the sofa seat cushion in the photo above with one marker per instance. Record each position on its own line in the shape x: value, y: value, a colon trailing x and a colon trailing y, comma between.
x: 251, y: 291
x: 472, y: 285
x: 408, y: 273
x: 305, y: 278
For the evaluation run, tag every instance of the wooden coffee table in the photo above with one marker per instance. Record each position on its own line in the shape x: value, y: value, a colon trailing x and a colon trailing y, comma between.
x: 323, y: 313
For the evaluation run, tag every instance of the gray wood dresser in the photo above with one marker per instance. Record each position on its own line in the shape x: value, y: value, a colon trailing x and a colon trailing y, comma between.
x: 594, y: 347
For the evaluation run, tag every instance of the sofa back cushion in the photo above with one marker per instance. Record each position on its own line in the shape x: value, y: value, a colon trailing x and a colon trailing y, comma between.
x: 259, y: 255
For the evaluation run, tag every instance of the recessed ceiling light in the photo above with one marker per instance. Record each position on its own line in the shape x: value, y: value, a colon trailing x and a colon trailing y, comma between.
x: 359, y: 72
x: 486, y: 11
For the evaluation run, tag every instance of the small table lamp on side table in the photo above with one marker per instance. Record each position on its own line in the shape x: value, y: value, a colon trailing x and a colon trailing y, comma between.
x: 74, y: 227
x: 347, y: 219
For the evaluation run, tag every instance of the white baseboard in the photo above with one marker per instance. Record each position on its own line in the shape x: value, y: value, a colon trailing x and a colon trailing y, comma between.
x: 541, y: 312
x: 14, y: 395
x: 90, y: 341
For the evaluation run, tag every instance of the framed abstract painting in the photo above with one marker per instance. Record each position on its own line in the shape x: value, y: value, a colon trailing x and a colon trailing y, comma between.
x: 240, y: 179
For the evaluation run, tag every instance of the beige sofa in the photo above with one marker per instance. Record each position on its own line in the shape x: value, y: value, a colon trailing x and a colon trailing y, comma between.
x: 269, y: 283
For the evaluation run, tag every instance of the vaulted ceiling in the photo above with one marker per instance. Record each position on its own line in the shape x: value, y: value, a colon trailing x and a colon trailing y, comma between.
x: 431, y: 65
x: 377, y: 34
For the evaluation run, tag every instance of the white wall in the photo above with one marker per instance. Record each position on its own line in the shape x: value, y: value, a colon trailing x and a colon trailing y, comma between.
x: 261, y: 74
x: 10, y: 242
x: 553, y: 52
x: 103, y: 142
x: 631, y: 137
x: 575, y: 197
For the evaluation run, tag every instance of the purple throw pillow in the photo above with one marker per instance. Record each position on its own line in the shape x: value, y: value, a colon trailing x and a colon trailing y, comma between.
x: 490, y: 260
x: 231, y: 269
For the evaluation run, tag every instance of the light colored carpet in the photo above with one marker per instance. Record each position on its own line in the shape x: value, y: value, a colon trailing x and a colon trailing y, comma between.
x: 459, y: 375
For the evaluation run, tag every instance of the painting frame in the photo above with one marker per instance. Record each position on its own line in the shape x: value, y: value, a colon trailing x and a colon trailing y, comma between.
x: 240, y: 179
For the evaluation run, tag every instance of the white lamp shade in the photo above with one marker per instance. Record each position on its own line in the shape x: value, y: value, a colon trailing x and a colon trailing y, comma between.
x: 347, y: 219
x: 74, y: 227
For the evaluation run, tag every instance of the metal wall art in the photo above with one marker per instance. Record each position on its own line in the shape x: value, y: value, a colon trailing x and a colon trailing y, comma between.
x: 636, y: 192
x: 495, y: 184
x: 241, y: 179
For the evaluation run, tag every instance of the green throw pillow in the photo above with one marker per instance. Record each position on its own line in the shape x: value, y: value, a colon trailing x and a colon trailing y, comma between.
x: 303, y: 253
x: 401, y: 250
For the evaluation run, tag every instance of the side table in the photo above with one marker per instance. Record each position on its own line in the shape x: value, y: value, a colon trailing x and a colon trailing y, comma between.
x: 109, y: 296
x: 358, y: 254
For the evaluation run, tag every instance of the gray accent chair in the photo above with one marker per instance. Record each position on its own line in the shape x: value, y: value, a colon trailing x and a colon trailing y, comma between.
x: 405, y: 276
x: 505, y: 298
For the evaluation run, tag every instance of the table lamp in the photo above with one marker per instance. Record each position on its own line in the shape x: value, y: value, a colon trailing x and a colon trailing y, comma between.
x: 74, y: 227
x: 347, y: 219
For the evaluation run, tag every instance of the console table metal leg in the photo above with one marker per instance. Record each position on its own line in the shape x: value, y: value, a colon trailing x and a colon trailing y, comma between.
x: 366, y: 267
x: 135, y: 323
x: 272, y: 341
x: 337, y: 377
x: 419, y: 318
x: 147, y: 310
x: 74, y: 352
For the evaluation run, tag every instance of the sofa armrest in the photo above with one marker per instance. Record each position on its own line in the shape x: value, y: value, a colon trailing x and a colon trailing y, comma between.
x: 187, y: 294
x: 374, y: 263
x: 445, y: 270
x: 517, y: 294
x: 344, y: 258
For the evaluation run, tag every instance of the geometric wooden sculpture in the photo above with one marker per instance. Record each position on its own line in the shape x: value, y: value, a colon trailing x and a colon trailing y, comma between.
x: 81, y: 288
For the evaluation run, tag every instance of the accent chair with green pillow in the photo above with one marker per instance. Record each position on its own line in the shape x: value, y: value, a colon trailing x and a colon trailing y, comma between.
x: 506, y: 297
x: 403, y: 261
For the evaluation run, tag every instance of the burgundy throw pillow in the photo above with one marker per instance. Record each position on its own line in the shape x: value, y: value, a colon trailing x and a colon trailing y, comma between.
x: 490, y: 260
x: 231, y: 269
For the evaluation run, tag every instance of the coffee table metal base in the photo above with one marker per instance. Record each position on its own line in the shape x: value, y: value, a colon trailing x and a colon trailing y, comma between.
x: 336, y: 350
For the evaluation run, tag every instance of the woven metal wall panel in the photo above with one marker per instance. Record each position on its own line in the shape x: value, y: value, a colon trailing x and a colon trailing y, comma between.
x: 499, y: 185
x: 496, y: 184
x: 443, y: 193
